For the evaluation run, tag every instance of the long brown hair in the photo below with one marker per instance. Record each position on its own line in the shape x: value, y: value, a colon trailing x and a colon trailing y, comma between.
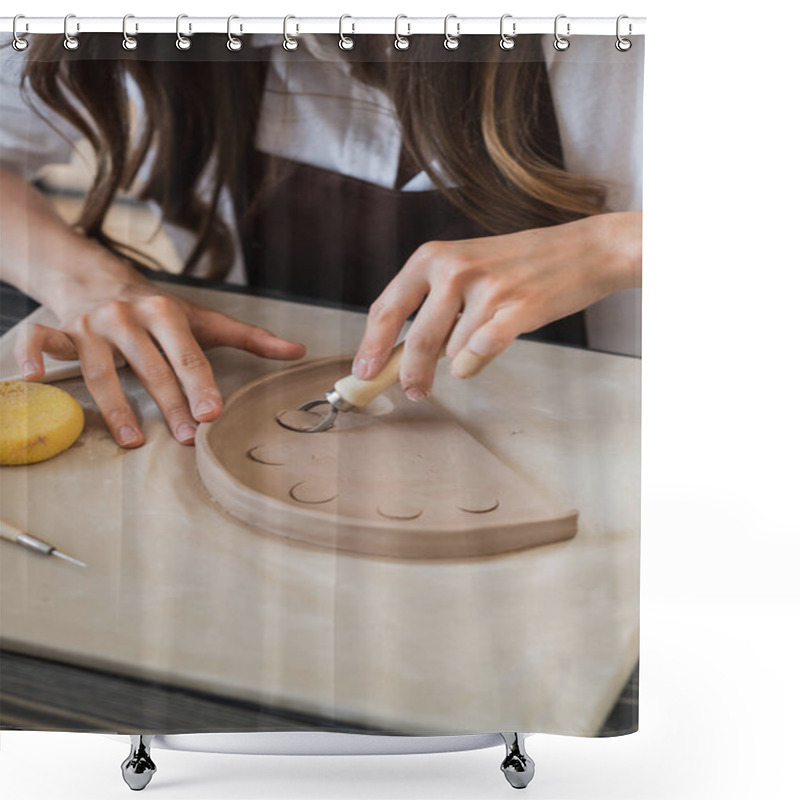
x: 471, y: 121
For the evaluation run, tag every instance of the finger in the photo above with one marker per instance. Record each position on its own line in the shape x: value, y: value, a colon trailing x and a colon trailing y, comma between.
x: 190, y: 365
x: 37, y: 339
x: 491, y: 339
x: 215, y: 329
x: 160, y: 381
x: 475, y: 314
x: 387, y: 314
x: 425, y: 340
x: 102, y: 381
x: 466, y: 364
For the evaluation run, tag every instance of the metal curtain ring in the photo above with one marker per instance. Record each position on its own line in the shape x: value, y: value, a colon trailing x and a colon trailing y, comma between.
x: 289, y: 42
x: 346, y: 42
x: 234, y: 43
x: 129, y: 42
x: 182, y: 42
x: 19, y: 44
x: 507, y: 42
x: 623, y: 45
x: 401, y: 42
x: 560, y: 43
x: 70, y: 42
x: 451, y: 42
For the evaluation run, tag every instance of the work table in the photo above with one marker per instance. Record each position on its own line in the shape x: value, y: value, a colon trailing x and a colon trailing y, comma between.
x: 181, y: 593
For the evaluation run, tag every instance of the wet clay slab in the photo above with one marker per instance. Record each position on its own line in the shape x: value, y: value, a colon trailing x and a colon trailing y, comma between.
x: 396, y: 479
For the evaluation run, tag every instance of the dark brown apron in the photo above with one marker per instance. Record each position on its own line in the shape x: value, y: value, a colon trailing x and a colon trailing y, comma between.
x: 322, y: 236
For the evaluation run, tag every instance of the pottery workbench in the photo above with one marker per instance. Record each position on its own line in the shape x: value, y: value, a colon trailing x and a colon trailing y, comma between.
x: 179, y: 592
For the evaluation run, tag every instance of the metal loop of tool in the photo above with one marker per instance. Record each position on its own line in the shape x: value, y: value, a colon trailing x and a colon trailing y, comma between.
x: 289, y: 42
x: 346, y: 42
x: 129, y: 42
x: 451, y: 42
x: 234, y: 44
x: 560, y: 42
x: 70, y: 42
x: 19, y: 44
x: 623, y: 45
x: 182, y: 42
x: 323, y: 425
x: 507, y: 42
x: 401, y: 42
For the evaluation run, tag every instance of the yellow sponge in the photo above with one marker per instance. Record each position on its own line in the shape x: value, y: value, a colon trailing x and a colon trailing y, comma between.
x: 37, y: 422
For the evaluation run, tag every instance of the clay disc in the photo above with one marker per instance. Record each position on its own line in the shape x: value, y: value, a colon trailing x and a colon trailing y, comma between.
x: 406, y: 480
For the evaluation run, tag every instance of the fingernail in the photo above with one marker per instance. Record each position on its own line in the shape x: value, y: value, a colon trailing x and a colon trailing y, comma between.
x: 127, y: 435
x: 30, y: 368
x: 185, y: 432
x: 361, y: 368
x: 415, y: 394
x: 203, y: 407
x: 456, y: 370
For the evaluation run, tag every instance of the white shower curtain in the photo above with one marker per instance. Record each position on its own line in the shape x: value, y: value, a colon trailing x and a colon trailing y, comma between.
x: 250, y: 228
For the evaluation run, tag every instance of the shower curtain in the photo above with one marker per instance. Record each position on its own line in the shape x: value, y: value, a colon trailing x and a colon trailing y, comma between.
x: 208, y: 253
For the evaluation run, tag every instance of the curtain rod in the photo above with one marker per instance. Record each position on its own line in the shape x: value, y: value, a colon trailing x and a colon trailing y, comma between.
x: 460, y: 26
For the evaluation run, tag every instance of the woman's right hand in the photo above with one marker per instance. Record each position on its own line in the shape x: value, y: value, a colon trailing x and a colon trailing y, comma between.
x: 162, y: 338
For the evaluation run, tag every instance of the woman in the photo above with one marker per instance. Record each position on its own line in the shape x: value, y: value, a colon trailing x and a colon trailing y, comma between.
x: 427, y: 182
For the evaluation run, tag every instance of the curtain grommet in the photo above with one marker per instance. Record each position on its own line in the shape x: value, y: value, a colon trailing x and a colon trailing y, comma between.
x: 451, y: 42
x: 401, y: 42
x: 290, y: 43
x: 19, y: 43
x: 561, y: 43
x: 71, y: 42
x: 507, y: 41
x: 622, y: 44
x: 182, y: 42
x: 346, y: 43
x: 129, y: 42
x: 234, y: 44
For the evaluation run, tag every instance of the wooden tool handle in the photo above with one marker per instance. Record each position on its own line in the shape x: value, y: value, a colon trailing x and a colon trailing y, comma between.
x: 9, y: 531
x: 358, y: 393
x: 14, y: 534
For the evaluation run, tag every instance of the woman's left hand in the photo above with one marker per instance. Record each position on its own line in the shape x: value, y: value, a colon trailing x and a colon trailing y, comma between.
x: 477, y: 295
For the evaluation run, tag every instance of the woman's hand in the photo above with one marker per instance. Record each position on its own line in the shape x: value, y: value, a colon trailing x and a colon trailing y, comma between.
x: 162, y: 338
x: 477, y: 295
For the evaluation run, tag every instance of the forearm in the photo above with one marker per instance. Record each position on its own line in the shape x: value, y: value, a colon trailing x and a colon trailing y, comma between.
x: 620, y: 238
x: 475, y: 296
x: 43, y: 256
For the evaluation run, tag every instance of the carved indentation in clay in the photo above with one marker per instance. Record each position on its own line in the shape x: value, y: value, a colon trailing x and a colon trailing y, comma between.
x: 397, y: 509
x: 312, y: 492
x: 263, y: 455
x: 478, y: 502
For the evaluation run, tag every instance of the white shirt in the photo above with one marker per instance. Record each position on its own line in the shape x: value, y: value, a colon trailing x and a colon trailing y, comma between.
x: 325, y: 118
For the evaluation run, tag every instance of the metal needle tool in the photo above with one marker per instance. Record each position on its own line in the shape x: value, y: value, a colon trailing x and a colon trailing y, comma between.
x: 351, y: 392
x: 13, y: 534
